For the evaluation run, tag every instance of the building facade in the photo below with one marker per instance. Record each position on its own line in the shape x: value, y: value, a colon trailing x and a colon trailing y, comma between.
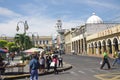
x: 95, y: 36
x: 68, y: 40
x: 108, y: 39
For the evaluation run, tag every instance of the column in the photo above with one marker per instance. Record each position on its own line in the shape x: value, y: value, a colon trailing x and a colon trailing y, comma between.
x: 78, y: 47
x: 102, y: 49
x: 107, y: 47
x: 113, y: 48
x: 98, y: 50
x: 118, y: 46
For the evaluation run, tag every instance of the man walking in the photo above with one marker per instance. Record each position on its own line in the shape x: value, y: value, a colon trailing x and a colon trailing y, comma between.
x: 105, y: 60
x: 117, y: 57
x: 33, y: 67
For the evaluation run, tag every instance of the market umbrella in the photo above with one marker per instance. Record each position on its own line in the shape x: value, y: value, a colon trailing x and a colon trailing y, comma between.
x: 3, y: 50
x: 33, y: 50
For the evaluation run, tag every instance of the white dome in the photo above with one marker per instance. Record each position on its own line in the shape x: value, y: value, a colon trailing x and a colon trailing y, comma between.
x: 94, y: 19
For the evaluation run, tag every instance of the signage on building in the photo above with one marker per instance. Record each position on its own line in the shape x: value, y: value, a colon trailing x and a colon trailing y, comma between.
x: 109, y: 31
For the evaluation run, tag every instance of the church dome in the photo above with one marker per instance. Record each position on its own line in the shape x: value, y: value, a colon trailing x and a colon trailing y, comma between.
x: 94, y: 19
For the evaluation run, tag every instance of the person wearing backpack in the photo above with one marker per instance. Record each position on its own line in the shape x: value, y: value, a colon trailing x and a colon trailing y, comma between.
x: 33, y: 67
x: 105, y: 60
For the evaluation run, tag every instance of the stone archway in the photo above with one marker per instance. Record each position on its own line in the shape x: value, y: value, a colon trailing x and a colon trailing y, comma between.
x: 115, y: 42
x: 103, y: 45
x: 99, y: 47
x: 109, y: 46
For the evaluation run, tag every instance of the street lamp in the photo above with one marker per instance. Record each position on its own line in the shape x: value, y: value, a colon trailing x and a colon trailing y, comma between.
x: 25, y: 26
x: 33, y: 37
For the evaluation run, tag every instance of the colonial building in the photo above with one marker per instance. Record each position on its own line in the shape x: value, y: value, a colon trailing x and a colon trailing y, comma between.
x: 43, y: 41
x: 9, y: 39
x: 68, y: 40
x: 108, y: 39
x: 95, y: 36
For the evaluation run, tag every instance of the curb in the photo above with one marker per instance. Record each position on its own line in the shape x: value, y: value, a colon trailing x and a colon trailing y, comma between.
x: 40, y: 74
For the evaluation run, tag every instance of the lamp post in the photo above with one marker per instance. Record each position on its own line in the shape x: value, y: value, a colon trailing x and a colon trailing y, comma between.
x: 25, y: 26
x: 33, y: 37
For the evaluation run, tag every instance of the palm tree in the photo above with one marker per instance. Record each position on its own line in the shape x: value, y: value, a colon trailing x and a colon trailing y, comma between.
x: 23, y: 41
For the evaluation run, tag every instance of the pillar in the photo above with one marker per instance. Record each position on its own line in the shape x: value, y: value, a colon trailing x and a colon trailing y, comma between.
x: 107, y: 47
x: 94, y: 51
x: 113, y: 48
x: 102, y: 49
x: 98, y: 50
x: 119, y: 46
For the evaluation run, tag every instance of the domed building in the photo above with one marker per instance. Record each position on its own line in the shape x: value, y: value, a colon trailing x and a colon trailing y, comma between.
x: 94, y: 19
x: 95, y: 36
x: 101, y: 36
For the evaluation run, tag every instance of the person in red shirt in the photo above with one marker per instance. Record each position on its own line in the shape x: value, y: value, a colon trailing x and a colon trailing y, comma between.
x: 55, y: 59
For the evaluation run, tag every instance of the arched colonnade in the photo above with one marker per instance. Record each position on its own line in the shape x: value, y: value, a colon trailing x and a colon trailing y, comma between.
x: 110, y: 45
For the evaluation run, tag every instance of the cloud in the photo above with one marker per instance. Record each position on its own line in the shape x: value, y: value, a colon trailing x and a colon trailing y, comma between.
x: 8, y: 28
x: 100, y: 3
x: 32, y: 9
x: 7, y: 13
x: 43, y: 26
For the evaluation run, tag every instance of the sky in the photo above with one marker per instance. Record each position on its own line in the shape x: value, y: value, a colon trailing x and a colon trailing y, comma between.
x: 42, y: 15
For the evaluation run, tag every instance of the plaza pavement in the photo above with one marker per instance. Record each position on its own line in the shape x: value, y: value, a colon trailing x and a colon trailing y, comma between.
x: 14, y: 74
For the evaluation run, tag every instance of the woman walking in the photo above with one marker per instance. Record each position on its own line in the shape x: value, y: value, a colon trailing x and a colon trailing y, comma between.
x: 55, y: 59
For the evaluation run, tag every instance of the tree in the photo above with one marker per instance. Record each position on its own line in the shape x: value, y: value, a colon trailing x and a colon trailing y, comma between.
x: 12, y: 47
x: 23, y: 41
x: 3, y: 43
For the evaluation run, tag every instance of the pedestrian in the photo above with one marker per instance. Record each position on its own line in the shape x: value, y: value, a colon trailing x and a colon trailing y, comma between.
x: 116, y: 56
x: 33, y: 67
x: 12, y: 55
x: 105, y: 60
x: 60, y: 61
x: 55, y: 60
x: 2, y: 67
x: 48, y: 62
x: 42, y: 64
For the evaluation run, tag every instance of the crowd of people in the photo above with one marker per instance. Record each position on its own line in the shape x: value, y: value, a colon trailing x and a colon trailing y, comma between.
x: 42, y: 63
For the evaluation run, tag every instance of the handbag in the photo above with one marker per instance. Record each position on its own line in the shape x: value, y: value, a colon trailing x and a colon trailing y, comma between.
x: 101, y: 62
x: 52, y: 64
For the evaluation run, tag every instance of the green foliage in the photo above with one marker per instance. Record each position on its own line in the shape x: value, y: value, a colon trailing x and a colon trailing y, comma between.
x: 14, y: 48
x: 23, y: 41
x: 9, y: 44
x: 3, y: 43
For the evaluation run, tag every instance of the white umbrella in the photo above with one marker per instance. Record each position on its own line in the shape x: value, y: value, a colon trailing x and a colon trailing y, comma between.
x: 33, y: 50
